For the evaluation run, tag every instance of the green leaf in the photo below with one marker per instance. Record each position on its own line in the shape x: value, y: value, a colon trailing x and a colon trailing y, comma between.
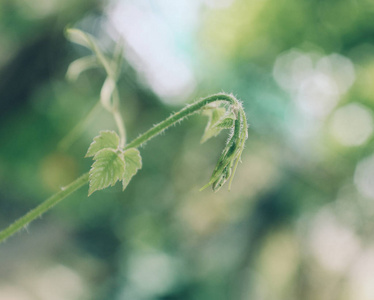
x: 226, y: 122
x: 133, y: 162
x: 214, y: 115
x: 230, y: 157
x: 219, y: 119
x: 223, y: 169
x: 224, y: 176
x: 80, y: 65
x: 106, y: 139
x: 108, y: 168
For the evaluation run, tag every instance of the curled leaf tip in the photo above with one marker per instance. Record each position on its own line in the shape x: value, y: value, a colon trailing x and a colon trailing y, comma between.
x: 230, y: 157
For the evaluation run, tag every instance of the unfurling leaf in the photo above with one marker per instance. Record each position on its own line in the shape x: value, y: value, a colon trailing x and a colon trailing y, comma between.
x: 133, y: 162
x: 108, y: 168
x: 226, y: 122
x: 213, y: 117
x: 106, y: 139
x: 225, y: 175
x: 223, y: 169
x: 219, y: 119
x: 228, y: 161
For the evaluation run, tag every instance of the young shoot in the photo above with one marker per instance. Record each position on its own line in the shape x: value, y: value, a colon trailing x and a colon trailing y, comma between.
x: 116, y: 160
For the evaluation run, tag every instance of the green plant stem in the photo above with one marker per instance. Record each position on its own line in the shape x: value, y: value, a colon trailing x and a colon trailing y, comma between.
x: 43, y: 207
x: 174, y: 118
x: 84, y: 179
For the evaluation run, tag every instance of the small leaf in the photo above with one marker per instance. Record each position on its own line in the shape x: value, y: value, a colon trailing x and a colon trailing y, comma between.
x: 133, y: 162
x: 230, y: 157
x: 226, y: 122
x: 220, y: 181
x: 106, y: 139
x: 223, y: 169
x: 214, y: 115
x: 108, y: 168
x: 80, y: 65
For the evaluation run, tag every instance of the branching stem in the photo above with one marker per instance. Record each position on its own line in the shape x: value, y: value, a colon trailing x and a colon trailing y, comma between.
x: 139, y: 141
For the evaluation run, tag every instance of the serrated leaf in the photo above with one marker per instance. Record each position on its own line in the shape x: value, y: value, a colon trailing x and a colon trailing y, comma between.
x: 106, y: 139
x: 108, y: 168
x: 80, y: 65
x: 133, y: 162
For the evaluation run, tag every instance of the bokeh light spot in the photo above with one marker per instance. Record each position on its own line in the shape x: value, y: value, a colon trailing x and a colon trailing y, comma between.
x: 333, y: 244
x: 315, y: 83
x: 352, y: 125
x: 364, y: 177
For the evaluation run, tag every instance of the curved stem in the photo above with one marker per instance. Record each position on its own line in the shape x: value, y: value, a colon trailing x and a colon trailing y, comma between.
x: 154, y: 131
x: 174, y: 118
x: 43, y: 207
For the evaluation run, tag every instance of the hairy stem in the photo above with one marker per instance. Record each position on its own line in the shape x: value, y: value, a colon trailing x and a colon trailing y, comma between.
x: 151, y: 133
x: 174, y: 118
x: 43, y: 207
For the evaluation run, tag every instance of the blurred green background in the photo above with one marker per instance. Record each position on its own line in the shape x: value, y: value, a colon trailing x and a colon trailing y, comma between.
x: 298, y: 222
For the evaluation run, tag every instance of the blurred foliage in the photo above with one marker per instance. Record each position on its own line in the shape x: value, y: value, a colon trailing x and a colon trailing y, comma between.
x: 298, y: 222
